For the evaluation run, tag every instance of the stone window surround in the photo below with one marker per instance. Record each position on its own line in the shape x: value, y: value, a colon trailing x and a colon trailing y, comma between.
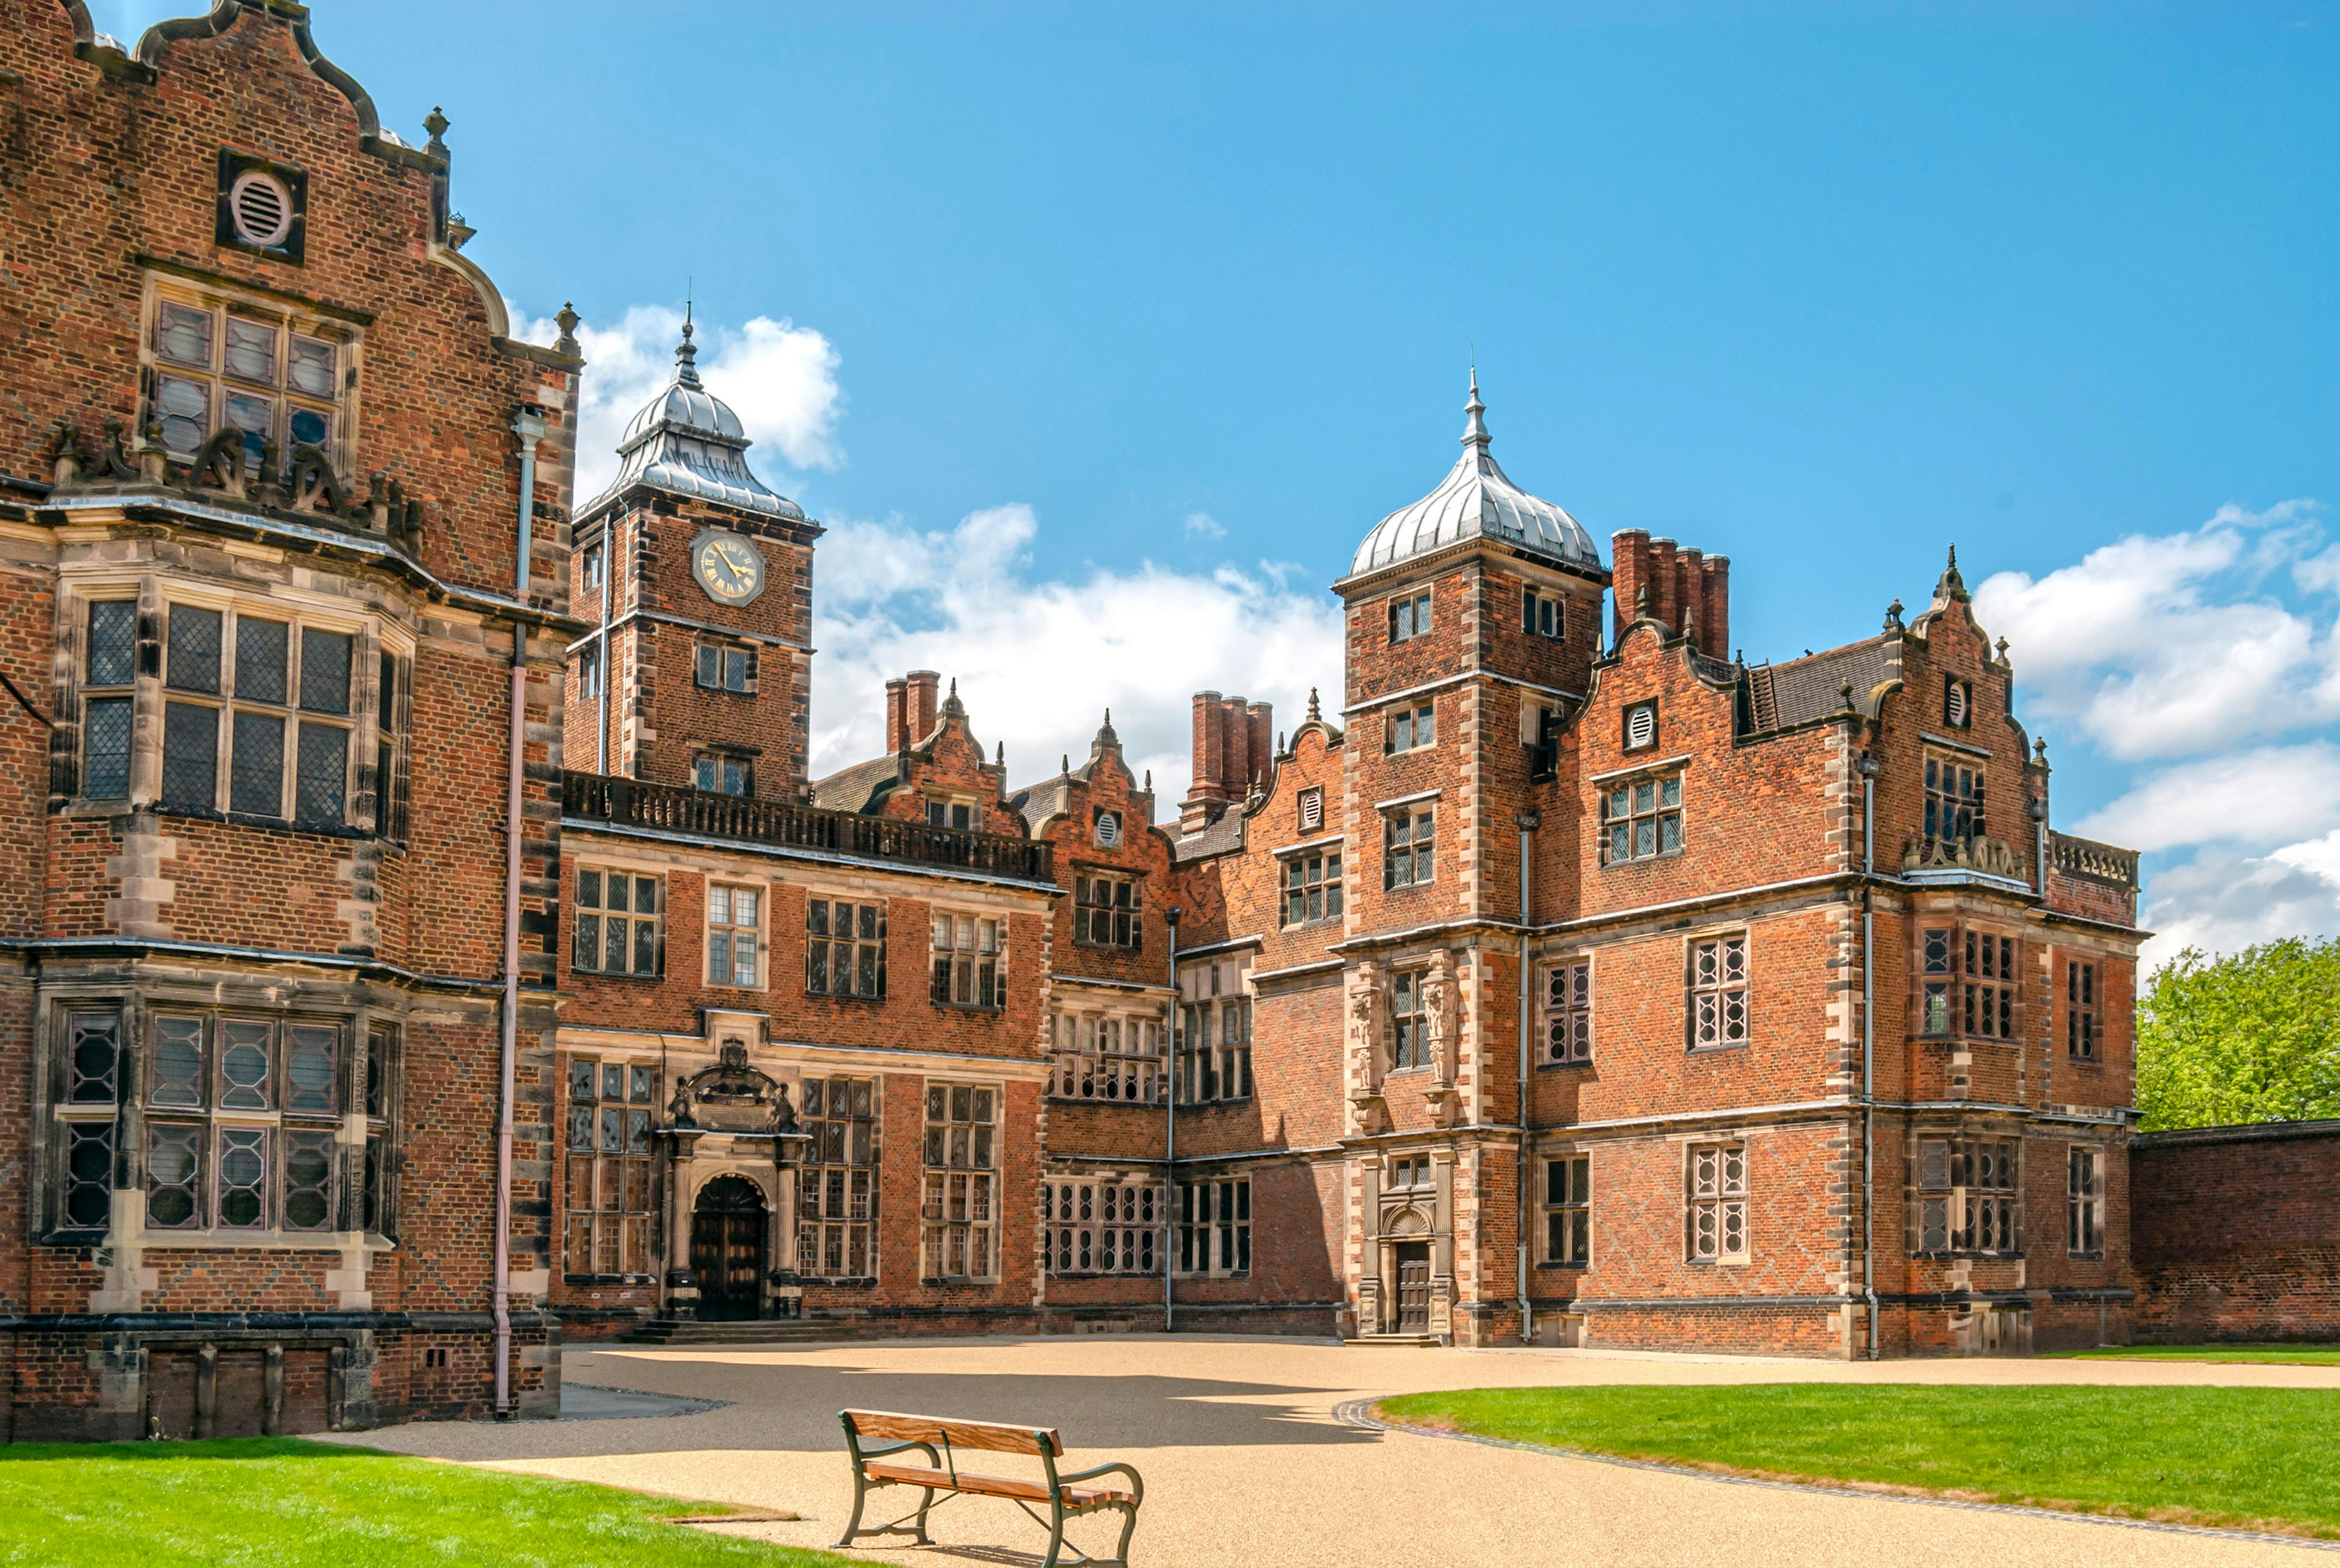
x: 374, y: 635
x: 253, y: 996
x: 286, y: 316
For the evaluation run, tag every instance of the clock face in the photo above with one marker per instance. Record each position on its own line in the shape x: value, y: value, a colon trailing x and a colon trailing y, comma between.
x: 729, y: 568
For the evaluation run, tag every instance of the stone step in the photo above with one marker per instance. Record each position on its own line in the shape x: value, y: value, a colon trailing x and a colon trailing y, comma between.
x: 1373, y: 1340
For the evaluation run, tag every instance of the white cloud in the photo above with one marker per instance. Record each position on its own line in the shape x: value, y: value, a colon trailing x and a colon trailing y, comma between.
x: 2222, y: 903
x: 779, y: 378
x: 2268, y: 796
x: 1039, y: 660
x: 2168, y: 646
x: 1202, y: 525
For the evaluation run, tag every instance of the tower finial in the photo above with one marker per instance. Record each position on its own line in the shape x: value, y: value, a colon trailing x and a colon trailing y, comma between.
x: 685, y: 352
x: 1475, y: 428
x: 1315, y: 714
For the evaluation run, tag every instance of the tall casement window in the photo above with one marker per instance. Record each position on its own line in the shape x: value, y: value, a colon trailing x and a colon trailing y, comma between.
x: 1990, y: 987
x: 1410, y: 729
x: 1312, y: 888
x: 1568, y: 1209
x: 845, y: 948
x: 1542, y: 615
x: 724, y: 667
x: 218, y: 361
x: 1409, y: 1021
x: 2080, y: 1009
x: 836, y: 1191
x: 734, y: 934
x: 243, y: 1114
x: 1107, y: 1058
x: 1640, y: 726
x: 1409, y: 617
x: 2084, y: 1204
x: 90, y: 1061
x: 1717, y: 990
x: 394, y: 712
x: 1967, y: 1196
x: 1408, y: 842
x: 608, y: 1191
x: 1100, y: 1227
x: 1109, y: 911
x: 1214, y: 1049
x: 960, y: 1212
x: 1215, y: 1227
x: 257, y: 715
x: 597, y: 564
x: 1642, y: 820
x: 1717, y: 1219
x: 380, y: 1195
x: 970, y: 960
x: 1954, y: 800
x: 723, y: 773
x: 109, y: 662
x: 588, y: 671
x: 1970, y: 981
x: 1311, y: 808
x: 617, y: 921
x: 1568, y: 1013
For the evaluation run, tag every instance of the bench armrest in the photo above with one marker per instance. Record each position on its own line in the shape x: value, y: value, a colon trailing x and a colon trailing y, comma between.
x: 864, y: 1454
x: 1136, y: 1481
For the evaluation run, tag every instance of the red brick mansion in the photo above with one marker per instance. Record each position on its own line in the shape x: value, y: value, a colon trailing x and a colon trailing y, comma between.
x: 423, y: 939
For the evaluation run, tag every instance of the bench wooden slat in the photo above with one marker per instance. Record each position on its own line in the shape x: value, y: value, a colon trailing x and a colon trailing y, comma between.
x: 892, y: 1426
x: 990, y: 1485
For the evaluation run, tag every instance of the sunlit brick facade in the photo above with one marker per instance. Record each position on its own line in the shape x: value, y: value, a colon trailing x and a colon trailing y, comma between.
x: 367, y: 878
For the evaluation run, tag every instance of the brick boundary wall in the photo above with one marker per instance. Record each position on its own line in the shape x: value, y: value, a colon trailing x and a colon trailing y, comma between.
x: 2235, y: 1233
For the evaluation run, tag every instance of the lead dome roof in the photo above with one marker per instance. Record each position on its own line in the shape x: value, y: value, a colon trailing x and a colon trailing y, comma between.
x: 687, y: 442
x: 1476, y: 499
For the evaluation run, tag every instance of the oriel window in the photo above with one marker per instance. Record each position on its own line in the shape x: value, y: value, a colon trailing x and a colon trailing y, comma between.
x: 109, y: 663
x: 257, y: 715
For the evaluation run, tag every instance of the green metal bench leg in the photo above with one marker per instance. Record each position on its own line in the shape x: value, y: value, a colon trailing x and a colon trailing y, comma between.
x: 860, y: 1495
x: 1056, y: 1529
x: 926, y: 1501
x: 1128, y: 1529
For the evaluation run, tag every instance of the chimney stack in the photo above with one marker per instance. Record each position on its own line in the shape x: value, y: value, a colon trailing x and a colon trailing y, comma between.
x: 923, y: 686
x: 1686, y: 589
x: 897, y: 718
x: 1234, y: 741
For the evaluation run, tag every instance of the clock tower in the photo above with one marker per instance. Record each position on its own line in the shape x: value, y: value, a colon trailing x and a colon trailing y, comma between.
x: 697, y: 578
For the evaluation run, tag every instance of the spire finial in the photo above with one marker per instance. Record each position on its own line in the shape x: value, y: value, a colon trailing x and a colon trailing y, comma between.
x: 1315, y: 713
x: 1475, y: 428
x: 685, y: 352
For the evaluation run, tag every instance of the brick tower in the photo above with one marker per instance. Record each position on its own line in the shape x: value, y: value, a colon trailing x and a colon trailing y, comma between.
x: 699, y: 577
x: 1474, y: 616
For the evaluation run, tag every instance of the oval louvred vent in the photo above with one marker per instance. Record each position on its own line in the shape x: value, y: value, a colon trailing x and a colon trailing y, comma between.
x: 262, y: 208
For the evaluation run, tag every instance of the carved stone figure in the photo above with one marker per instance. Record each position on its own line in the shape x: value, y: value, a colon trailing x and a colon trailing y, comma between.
x: 783, y: 1115
x: 682, y: 1111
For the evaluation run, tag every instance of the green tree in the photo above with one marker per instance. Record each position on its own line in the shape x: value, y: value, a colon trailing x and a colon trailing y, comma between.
x: 2252, y: 1036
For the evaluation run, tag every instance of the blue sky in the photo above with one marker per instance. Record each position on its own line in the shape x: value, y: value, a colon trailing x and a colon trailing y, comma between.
x: 1102, y: 335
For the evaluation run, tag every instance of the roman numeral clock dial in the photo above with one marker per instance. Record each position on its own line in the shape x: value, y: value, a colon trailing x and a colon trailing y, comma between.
x: 728, y: 568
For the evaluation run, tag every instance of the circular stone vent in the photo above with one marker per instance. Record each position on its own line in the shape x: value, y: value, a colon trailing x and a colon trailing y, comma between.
x: 261, y: 207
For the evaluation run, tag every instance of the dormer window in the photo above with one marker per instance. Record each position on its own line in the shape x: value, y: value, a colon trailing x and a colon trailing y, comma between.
x: 1409, y: 617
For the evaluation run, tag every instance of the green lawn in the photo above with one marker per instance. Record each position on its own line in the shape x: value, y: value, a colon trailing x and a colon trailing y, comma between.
x: 261, y: 1503
x: 2255, y: 1458
x: 2272, y: 1354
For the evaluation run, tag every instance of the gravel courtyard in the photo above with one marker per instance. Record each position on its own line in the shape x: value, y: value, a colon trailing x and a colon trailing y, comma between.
x: 1248, y: 1459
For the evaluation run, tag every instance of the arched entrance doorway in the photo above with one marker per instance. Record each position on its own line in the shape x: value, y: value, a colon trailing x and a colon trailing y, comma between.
x: 728, y: 1230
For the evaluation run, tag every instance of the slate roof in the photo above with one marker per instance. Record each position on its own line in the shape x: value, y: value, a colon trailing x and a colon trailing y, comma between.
x: 1220, y: 837
x: 857, y: 787
x: 1782, y: 696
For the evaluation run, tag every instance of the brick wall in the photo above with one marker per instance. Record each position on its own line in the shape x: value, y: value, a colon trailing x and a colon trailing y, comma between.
x: 2236, y: 1232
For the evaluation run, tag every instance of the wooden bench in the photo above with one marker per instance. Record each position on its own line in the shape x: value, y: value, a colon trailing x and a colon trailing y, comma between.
x: 942, y: 1440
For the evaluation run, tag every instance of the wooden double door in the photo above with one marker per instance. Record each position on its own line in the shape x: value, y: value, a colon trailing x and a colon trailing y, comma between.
x: 1413, y: 1287
x: 730, y: 1232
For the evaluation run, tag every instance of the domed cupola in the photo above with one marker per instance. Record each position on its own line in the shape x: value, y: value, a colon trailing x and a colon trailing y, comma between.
x: 687, y: 442
x: 1476, y: 500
